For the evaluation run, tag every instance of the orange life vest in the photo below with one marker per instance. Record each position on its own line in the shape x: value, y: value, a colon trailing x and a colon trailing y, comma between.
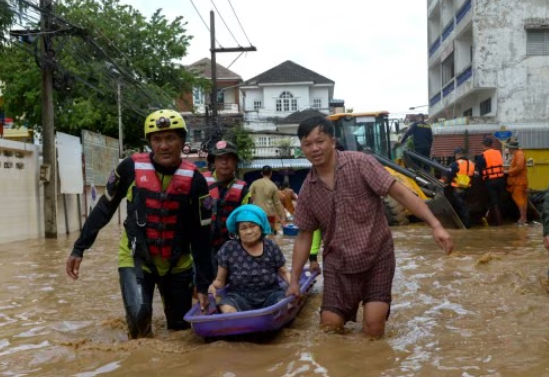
x: 494, y: 164
x: 222, y: 207
x: 162, y: 208
x: 466, y: 168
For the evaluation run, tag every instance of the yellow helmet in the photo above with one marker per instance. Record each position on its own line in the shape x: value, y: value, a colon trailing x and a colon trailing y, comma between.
x: 162, y: 120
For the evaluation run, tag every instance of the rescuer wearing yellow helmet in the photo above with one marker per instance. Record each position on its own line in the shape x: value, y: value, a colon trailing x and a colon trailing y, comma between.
x: 167, y: 227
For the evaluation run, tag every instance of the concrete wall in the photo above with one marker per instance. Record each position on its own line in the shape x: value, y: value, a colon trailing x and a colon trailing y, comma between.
x: 20, y: 192
x: 501, y: 61
x: 22, y: 197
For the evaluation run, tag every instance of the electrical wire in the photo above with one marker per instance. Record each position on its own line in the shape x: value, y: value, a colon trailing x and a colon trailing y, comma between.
x: 238, y: 20
x: 80, y: 56
x: 204, y: 22
x: 222, y: 19
x: 234, y: 61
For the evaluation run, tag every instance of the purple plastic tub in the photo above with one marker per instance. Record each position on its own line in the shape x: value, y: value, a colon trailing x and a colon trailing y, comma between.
x: 271, y: 318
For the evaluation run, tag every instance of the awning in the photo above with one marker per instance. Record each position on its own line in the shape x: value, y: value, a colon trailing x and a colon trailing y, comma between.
x: 276, y: 163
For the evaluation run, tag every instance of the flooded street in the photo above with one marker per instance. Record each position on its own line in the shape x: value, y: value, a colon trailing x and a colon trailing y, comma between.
x: 483, y: 311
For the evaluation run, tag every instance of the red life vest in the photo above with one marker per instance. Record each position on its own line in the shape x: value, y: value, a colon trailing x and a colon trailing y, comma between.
x: 223, y: 207
x: 494, y: 164
x: 162, y: 208
x: 467, y: 168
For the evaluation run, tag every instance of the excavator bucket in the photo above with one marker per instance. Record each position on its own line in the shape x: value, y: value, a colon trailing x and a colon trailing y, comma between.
x: 427, y: 188
x: 443, y: 211
x: 436, y: 200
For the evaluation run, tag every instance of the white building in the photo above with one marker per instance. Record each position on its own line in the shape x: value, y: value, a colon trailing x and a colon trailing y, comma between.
x: 272, y: 96
x: 489, y: 77
x: 490, y: 59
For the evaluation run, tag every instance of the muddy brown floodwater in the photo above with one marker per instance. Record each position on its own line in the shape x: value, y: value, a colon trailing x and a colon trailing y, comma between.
x: 483, y: 311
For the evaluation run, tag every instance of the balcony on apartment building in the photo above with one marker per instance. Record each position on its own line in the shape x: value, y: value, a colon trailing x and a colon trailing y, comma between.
x: 453, y: 91
x: 450, y: 30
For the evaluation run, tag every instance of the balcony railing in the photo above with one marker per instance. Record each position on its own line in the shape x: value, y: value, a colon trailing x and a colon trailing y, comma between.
x: 448, y: 88
x: 448, y: 29
x: 275, y: 151
x: 228, y: 107
x: 462, y: 12
x: 464, y: 76
x: 435, y: 99
x: 434, y: 47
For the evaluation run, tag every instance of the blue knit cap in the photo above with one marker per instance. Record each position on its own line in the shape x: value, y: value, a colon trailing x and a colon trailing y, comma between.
x: 250, y: 213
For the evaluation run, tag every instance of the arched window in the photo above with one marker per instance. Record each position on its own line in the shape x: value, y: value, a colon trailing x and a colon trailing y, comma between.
x: 286, y: 102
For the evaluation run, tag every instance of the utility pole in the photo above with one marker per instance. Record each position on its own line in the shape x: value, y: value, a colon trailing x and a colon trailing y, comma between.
x: 213, y: 98
x: 214, y: 50
x: 48, y: 126
x: 120, y: 131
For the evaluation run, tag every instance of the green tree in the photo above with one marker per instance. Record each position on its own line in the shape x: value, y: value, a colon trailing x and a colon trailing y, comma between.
x: 244, y: 142
x: 285, y: 145
x: 99, y: 46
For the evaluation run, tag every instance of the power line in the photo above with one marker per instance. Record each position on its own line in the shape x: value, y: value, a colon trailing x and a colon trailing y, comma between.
x: 97, y: 75
x: 222, y: 19
x: 234, y: 61
x: 204, y: 22
x: 237, y: 19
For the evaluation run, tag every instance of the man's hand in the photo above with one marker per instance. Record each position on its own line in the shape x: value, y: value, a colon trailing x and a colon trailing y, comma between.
x: 203, y: 300
x: 212, y: 290
x: 314, y: 266
x: 546, y: 241
x: 443, y: 239
x: 72, y: 266
x: 293, y: 289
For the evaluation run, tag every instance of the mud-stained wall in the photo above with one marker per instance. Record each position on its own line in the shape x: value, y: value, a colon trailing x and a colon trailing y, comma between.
x: 19, y: 191
x: 22, y: 197
x: 500, y: 37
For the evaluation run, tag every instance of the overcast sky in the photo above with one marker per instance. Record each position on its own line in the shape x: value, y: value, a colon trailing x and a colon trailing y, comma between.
x: 375, y: 51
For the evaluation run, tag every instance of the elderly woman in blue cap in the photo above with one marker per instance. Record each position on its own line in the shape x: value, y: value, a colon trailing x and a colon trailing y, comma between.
x: 250, y: 264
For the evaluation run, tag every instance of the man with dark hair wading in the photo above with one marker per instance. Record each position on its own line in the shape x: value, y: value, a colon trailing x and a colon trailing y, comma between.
x: 226, y: 191
x: 167, y: 228
x: 342, y: 196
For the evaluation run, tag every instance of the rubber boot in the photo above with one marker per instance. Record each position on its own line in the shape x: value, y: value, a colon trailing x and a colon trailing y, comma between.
x: 497, y: 213
x: 137, y: 302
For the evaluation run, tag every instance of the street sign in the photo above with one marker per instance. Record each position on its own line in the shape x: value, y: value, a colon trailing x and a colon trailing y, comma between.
x: 503, y: 135
x: 200, y: 164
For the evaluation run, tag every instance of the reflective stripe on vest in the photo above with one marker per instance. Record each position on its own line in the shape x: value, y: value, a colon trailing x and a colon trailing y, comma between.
x: 223, y: 207
x: 162, y: 207
x: 494, y: 164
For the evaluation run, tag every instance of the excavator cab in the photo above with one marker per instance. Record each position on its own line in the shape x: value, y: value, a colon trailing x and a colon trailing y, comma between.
x: 358, y: 131
x: 370, y: 133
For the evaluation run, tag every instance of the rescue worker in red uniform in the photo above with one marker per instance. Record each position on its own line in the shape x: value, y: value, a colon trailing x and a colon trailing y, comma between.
x: 460, y: 177
x: 167, y: 229
x: 490, y: 166
x: 227, y: 192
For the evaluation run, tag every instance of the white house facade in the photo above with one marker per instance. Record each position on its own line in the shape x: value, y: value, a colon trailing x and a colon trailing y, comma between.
x: 276, y: 94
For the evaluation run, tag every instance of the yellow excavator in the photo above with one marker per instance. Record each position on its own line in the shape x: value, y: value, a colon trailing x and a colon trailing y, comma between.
x: 370, y: 132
